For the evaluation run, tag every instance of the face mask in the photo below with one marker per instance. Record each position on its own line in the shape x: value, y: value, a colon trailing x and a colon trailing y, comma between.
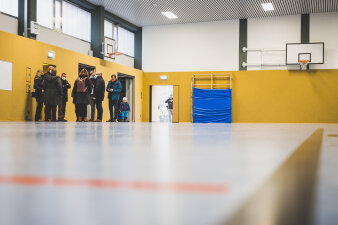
x: 50, y: 71
x: 95, y: 76
x: 63, y: 78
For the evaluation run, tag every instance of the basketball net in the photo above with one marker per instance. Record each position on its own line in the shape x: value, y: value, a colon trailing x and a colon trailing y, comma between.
x: 111, y: 55
x: 304, y: 64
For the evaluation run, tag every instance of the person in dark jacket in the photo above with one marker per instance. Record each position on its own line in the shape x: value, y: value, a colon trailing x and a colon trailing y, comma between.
x: 170, y: 102
x: 64, y: 98
x: 98, y: 95
x: 52, y: 86
x: 124, y: 109
x: 38, y: 94
x: 114, y: 89
x: 73, y: 94
x: 81, y: 90
x: 92, y: 101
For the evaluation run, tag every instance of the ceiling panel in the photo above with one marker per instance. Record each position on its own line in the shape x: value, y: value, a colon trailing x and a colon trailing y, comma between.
x: 144, y: 13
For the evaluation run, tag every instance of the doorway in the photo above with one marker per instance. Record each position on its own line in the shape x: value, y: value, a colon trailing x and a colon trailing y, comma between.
x: 164, y: 103
x: 45, y: 67
x: 128, y: 90
x: 87, y: 67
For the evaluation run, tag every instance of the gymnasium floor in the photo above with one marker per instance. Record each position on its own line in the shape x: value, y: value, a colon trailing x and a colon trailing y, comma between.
x: 168, y: 174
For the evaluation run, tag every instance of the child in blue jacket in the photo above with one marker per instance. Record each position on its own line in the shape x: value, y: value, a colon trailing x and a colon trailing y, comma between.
x: 124, y: 109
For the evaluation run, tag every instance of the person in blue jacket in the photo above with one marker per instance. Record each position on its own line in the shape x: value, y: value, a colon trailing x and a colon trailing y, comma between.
x: 114, y: 89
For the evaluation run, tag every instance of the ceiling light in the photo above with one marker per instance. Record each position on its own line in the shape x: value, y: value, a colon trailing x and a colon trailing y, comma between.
x: 268, y: 7
x: 170, y: 15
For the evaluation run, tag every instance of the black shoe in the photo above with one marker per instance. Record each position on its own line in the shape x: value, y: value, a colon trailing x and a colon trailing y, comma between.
x: 62, y: 120
x: 108, y: 121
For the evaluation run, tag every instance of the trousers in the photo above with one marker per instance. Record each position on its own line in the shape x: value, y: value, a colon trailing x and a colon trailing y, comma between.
x: 113, y: 109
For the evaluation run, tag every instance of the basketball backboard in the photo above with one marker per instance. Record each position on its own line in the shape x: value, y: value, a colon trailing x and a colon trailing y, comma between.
x: 109, y: 48
x: 296, y: 53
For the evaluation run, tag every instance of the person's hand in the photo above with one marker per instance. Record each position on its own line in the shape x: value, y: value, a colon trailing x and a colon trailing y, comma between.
x: 94, y: 98
x: 111, y: 90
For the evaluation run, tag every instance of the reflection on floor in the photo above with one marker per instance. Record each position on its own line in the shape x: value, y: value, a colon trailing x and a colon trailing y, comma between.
x: 141, y: 173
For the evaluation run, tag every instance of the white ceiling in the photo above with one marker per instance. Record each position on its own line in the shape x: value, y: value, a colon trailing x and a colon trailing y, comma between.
x: 143, y: 13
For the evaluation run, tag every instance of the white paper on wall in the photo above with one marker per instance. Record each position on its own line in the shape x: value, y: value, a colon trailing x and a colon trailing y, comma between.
x: 6, y: 69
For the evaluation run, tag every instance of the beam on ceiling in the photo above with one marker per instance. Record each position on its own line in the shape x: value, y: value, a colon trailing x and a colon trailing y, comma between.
x: 84, y: 4
x: 243, y: 42
x: 97, y: 32
x: 138, y: 50
x: 305, y: 28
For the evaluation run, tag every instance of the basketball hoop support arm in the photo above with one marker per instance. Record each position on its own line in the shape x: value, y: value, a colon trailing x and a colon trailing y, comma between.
x: 244, y: 64
x: 262, y: 50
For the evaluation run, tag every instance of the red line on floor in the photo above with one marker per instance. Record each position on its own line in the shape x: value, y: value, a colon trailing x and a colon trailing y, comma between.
x: 113, y: 184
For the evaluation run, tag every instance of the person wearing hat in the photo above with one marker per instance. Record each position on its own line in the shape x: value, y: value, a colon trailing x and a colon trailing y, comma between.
x: 124, y: 109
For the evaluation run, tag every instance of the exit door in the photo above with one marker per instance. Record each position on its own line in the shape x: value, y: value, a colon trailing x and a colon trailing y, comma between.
x: 161, y: 98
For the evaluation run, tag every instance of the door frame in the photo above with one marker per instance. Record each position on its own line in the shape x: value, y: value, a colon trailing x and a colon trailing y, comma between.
x: 150, y: 100
x: 127, y: 76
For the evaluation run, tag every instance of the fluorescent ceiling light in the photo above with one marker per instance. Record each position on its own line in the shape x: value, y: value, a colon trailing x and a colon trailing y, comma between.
x: 170, y: 15
x: 268, y: 7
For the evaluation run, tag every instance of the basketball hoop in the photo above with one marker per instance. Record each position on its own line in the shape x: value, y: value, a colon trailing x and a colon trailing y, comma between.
x: 304, y: 64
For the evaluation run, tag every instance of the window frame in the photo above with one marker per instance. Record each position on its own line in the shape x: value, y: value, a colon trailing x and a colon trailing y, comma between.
x: 117, y: 45
x: 61, y: 19
x: 6, y: 14
x: 54, y: 15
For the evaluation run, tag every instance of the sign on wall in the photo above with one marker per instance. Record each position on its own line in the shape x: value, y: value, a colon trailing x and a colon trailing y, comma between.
x: 6, y: 69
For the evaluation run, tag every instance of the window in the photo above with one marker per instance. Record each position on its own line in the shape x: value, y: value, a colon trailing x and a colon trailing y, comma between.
x: 115, y: 32
x: 66, y: 17
x: 126, y: 41
x: 108, y: 29
x: 45, y: 13
x: 57, y: 15
x: 9, y: 7
x: 76, y: 21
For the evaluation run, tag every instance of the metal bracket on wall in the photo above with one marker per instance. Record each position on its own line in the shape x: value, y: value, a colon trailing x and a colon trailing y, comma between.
x: 245, y: 49
x: 244, y: 64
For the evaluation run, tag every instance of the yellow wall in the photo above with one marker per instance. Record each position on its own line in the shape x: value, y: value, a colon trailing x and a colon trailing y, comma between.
x: 258, y: 96
x: 23, y: 52
x: 182, y: 79
x: 265, y: 96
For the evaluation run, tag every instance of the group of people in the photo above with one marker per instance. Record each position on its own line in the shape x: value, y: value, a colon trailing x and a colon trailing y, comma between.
x: 52, y: 91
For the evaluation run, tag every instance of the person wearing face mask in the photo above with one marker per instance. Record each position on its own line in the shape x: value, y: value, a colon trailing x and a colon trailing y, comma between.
x: 114, y: 89
x: 98, y: 95
x: 64, y: 98
x: 52, y: 86
x: 92, y: 101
